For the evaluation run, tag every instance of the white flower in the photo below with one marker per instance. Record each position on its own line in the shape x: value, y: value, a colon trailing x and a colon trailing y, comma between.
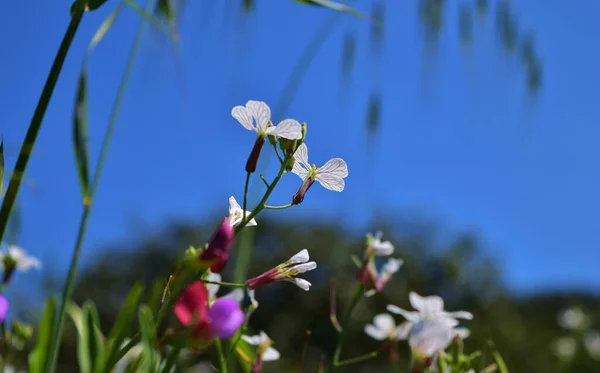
x: 23, y: 261
x: 256, y: 116
x: 591, y: 340
x: 253, y: 301
x: 389, y: 268
x: 384, y: 327
x: 331, y: 175
x: 212, y: 289
x: 428, y: 336
x: 10, y: 369
x: 264, y: 350
x: 380, y: 248
x: 565, y: 347
x: 573, y: 319
x: 129, y: 357
x: 236, y: 214
x: 287, y: 271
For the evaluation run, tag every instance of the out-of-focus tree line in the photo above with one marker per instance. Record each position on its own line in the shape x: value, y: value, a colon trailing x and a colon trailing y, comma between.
x: 523, y: 328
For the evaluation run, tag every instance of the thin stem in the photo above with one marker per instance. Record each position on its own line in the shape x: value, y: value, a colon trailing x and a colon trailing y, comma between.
x: 277, y: 152
x: 70, y: 283
x: 246, y: 195
x: 358, y: 359
x: 340, y: 336
x: 36, y: 121
x: 282, y: 207
x: 262, y: 177
x: 222, y: 361
x: 230, y: 284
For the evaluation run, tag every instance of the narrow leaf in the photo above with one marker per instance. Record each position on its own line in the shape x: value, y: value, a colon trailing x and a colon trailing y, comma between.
x: 246, y: 354
x: 39, y: 355
x: 80, y: 135
x: 83, y: 353
x: 122, y: 325
x: 334, y: 6
x: 96, y: 339
x: 147, y: 328
x: 104, y: 27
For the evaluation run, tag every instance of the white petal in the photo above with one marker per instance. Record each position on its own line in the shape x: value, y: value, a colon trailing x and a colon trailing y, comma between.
x: 288, y: 129
x: 28, y: 263
x: 236, y: 294
x: 384, y: 321
x: 301, y: 257
x: 303, y: 267
x: 252, y: 339
x: 299, y: 170
x: 16, y: 252
x: 392, y: 266
x: 331, y: 182
x: 335, y: 166
x: 253, y: 300
x: 384, y: 248
x: 403, y: 330
x: 408, y: 315
x: 233, y: 205
x: 264, y: 338
x: 430, y: 336
x: 243, y: 116
x: 213, y: 289
x: 430, y: 305
x: 375, y: 333
x: 252, y: 221
x: 302, y: 284
x: 261, y: 113
x: 301, y: 155
x: 463, y: 333
x: 460, y: 315
x: 270, y: 354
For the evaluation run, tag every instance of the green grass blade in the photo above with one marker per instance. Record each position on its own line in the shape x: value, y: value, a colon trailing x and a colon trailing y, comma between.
x: 80, y: 135
x: 39, y: 355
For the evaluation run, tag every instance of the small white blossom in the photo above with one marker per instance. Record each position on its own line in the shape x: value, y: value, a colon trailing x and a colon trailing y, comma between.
x: 384, y: 327
x: 212, y: 289
x: 331, y: 175
x: 428, y: 336
x: 591, y: 340
x: 236, y: 214
x: 256, y: 116
x: 565, y: 347
x: 23, y: 261
x: 380, y: 248
x: 573, y: 319
x: 287, y: 271
x: 264, y: 343
x: 389, y: 268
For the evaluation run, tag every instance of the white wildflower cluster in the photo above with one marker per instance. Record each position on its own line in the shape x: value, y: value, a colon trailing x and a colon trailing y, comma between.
x: 577, y: 323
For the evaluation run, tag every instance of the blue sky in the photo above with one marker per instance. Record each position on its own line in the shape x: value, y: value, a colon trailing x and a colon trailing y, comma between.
x: 460, y: 139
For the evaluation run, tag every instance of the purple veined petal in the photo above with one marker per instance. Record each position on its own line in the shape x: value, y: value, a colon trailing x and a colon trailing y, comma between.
x: 226, y: 317
x: 3, y: 308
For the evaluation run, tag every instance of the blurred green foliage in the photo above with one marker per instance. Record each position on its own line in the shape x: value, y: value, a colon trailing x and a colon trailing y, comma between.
x: 522, y: 327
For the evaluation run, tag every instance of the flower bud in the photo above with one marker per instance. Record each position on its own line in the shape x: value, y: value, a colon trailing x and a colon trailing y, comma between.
x: 290, y: 164
x: 272, y: 139
x: 283, y: 143
x: 301, y: 141
x: 255, y: 154
x: 286, y: 271
x: 219, y: 246
x: 299, y: 196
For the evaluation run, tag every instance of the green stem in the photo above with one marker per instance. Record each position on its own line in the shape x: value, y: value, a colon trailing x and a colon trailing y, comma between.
x: 222, y: 361
x: 277, y: 152
x: 230, y: 284
x: 36, y: 121
x: 358, y: 291
x: 282, y: 207
x: 358, y: 359
x: 70, y: 283
x: 245, y: 195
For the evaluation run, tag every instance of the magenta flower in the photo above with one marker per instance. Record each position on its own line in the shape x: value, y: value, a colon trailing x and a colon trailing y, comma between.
x: 3, y: 308
x: 221, y: 320
x: 219, y: 246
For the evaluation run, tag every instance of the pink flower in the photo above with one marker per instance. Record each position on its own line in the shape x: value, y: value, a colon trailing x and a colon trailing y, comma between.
x: 219, y: 246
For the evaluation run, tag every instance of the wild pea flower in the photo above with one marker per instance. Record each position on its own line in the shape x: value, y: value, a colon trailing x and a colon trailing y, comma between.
x: 4, y: 305
x: 221, y: 319
x: 236, y: 214
x: 256, y: 116
x: 286, y: 272
x: 573, y: 319
x: 217, y: 252
x: 431, y: 307
x: 331, y: 175
x: 384, y: 327
x: 264, y: 351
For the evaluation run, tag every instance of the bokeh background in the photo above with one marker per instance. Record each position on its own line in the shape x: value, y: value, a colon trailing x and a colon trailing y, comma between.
x: 468, y: 127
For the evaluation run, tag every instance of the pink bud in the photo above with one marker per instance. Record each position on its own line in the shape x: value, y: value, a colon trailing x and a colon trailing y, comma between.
x: 219, y: 246
x: 255, y: 154
x: 299, y: 196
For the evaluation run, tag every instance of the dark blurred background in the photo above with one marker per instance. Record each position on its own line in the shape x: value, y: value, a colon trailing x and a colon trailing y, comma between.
x: 467, y: 126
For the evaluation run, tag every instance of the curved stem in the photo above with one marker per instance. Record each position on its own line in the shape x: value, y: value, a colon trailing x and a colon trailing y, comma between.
x: 358, y: 359
x: 358, y: 291
x: 246, y: 195
x: 36, y: 121
x: 70, y: 283
x: 282, y: 207
x: 222, y: 361
x: 230, y: 284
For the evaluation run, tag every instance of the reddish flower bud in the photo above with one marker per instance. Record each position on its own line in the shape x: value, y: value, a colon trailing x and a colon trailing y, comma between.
x: 219, y: 246
x: 255, y: 154
x: 299, y: 196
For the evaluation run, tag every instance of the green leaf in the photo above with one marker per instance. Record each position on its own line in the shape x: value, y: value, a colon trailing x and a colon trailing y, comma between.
x: 90, y: 347
x: 334, y: 6
x: 104, y: 27
x: 150, y: 360
x: 96, y: 339
x: 498, y: 360
x: 246, y: 354
x: 83, y: 357
x: 39, y: 355
x: 80, y: 135
x: 122, y: 326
